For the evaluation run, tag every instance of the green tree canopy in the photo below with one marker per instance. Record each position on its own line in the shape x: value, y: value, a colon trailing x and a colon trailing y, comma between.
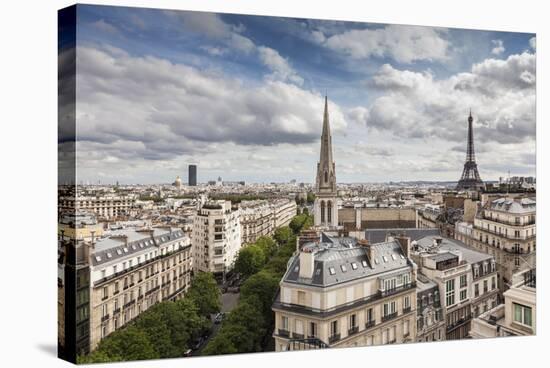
x: 249, y: 260
x: 206, y: 294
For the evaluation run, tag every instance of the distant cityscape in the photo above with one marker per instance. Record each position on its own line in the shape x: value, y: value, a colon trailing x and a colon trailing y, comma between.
x: 378, y: 264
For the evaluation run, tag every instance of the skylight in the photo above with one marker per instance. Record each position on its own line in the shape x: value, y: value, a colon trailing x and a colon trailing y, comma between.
x: 376, y: 261
x: 385, y: 259
x: 98, y: 258
x: 393, y: 256
x: 331, y: 270
x: 343, y: 267
x: 109, y: 255
x: 119, y: 252
x: 354, y: 265
x: 364, y: 263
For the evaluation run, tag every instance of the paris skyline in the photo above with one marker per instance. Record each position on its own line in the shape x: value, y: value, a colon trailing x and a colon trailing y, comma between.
x: 238, y: 94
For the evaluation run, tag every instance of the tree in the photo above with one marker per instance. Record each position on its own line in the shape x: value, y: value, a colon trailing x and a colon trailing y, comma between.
x: 250, y: 260
x: 267, y: 245
x: 305, y: 211
x: 264, y: 286
x: 130, y: 343
x: 206, y: 294
x: 282, y: 235
x: 310, y: 198
x: 97, y: 356
x: 154, y: 323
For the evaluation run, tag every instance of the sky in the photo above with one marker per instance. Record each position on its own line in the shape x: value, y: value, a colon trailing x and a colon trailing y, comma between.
x: 242, y: 97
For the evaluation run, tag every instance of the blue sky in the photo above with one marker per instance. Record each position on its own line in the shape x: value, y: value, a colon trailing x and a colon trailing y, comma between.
x: 239, y: 94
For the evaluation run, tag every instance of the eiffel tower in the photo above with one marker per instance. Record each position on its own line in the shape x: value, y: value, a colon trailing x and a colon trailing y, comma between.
x: 470, y: 179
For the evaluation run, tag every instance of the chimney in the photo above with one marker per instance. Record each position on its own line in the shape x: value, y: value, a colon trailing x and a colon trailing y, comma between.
x: 307, y: 260
x: 405, y: 243
x: 365, y: 244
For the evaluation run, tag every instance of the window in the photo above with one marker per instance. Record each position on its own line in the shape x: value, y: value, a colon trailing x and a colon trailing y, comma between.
x: 370, y: 315
x: 331, y: 270
x: 485, y: 286
x: 484, y: 267
x: 450, y: 292
x: 407, y: 302
x: 493, y: 283
x: 406, y: 328
x: 105, y: 292
x: 312, y: 329
x: 333, y: 327
x: 389, y: 308
x: 284, y: 323
x: 476, y: 271
x: 406, y: 279
x: 522, y: 314
x: 390, y: 284
x: 353, y: 321
x: 463, y: 295
x: 463, y: 281
x: 476, y: 290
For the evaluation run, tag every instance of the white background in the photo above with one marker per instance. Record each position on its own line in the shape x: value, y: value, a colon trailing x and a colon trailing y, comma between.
x: 28, y: 131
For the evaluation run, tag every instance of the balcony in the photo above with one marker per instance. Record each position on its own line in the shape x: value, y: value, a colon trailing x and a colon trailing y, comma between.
x: 388, y: 317
x: 334, y: 338
x: 370, y: 324
x: 104, y: 318
x: 353, y: 330
x: 116, y: 311
x: 283, y: 333
x: 297, y: 335
x: 407, y: 309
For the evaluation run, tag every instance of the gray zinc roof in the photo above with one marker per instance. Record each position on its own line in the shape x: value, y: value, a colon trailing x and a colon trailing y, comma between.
x: 341, y: 260
x: 379, y: 235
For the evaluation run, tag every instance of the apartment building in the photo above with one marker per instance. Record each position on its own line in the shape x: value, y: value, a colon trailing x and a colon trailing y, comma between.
x: 516, y: 316
x: 130, y: 271
x: 430, y: 324
x: 216, y: 237
x: 262, y: 217
x: 79, y: 226
x: 344, y: 291
x: 466, y: 279
x: 506, y: 229
x: 108, y: 207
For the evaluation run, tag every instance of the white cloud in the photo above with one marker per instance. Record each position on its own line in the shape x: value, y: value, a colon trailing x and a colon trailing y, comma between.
x: 152, y: 109
x: 359, y: 115
x: 278, y: 65
x: 104, y: 26
x: 533, y: 43
x: 498, y: 47
x: 501, y: 94
x: 404, y: 44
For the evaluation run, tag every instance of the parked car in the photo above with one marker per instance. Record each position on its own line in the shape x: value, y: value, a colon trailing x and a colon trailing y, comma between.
x: 234, y: 289
x: 219, y: 317
x: 198, y: 343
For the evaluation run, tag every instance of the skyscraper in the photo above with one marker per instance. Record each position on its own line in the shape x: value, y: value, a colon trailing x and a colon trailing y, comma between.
x: 470, y: 179
x: 325, y: 208
x: 192, y: 175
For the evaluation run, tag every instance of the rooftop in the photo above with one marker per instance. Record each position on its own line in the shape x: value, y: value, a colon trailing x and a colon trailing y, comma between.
x: 516, y: 206
x: 339, y: 260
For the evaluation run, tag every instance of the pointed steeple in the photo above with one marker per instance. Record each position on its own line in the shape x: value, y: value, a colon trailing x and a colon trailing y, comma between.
x: 326, y: 175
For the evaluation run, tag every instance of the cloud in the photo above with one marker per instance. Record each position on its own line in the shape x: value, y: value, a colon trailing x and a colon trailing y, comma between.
x: 211, y: 26
x: 104, y: 26
x: 533, y: 43
x: 151, y: 108
x: 278, y: 65
x: 498, y: 47
x: 359, y: 115
x: 501, y: 94
x: 404, y: 44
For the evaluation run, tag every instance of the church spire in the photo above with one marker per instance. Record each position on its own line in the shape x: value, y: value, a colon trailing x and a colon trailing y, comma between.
x: 326, y: 175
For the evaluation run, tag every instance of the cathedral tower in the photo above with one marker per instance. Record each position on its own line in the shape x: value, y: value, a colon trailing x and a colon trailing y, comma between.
x: 325, y: 208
